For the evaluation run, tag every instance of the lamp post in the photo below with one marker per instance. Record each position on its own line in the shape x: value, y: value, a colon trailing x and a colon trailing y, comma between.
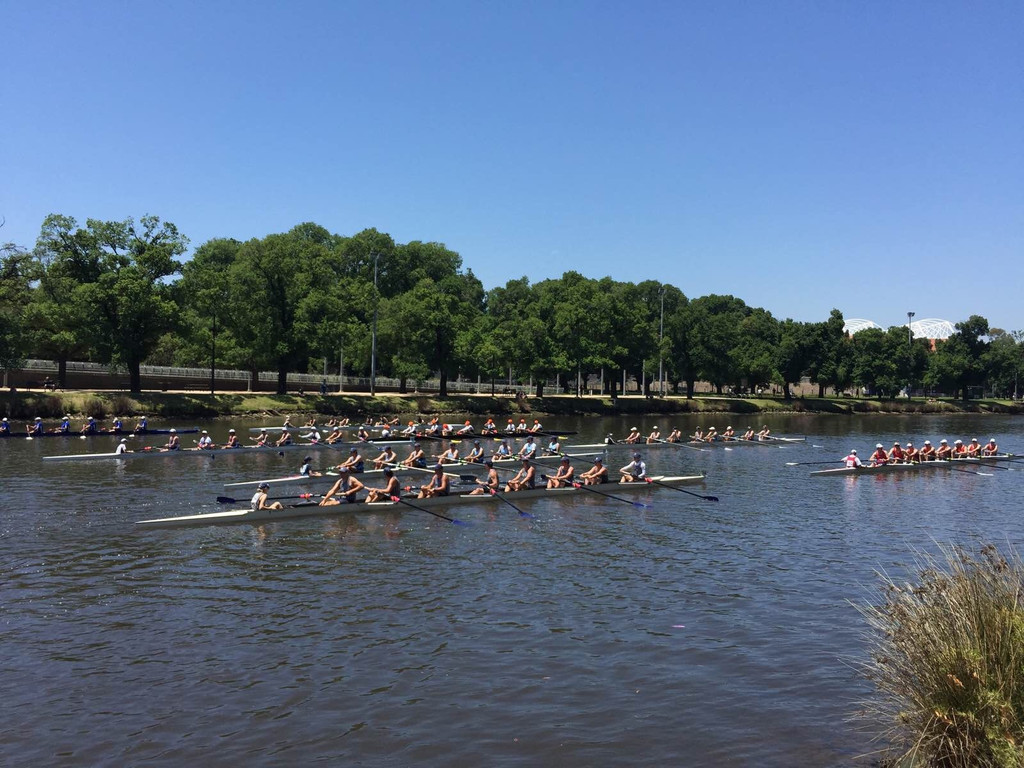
x: 661, y: 348
x: 373, y: 335
x: 910, y: 351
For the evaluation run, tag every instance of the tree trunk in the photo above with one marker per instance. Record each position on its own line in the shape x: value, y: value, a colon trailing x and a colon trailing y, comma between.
x: 62, y: 372
x: 403, y: 385
x: 718, y: 389
x: 282, y: 379
x: 821, y: 390
x: 134, y: 376
x: 786, y: 394
x: 690, y: 384
x: 540, y: 388
x: 444, y: 384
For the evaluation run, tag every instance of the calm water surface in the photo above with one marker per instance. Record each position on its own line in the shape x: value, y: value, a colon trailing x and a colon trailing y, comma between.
x: 596, y: 634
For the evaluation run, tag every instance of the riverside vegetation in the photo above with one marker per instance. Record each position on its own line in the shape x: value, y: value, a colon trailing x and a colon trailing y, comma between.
x: 947, y: 661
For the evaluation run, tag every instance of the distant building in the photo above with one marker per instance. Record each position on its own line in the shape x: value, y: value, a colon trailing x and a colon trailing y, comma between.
x: 932, y: 328
x: 856, y: 325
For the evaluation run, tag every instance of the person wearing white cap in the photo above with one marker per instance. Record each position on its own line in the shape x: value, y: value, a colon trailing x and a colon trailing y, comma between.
x: 259, y: 499
x: 633, y: 436
x: 879, y: 457
x: 712, y: 435
x: 927, y: 453
x: 285, y: 439
x: 173, y: 441
x: 262, y: 439
x: 943, y: 452
x: 122, y: 447
x: 959, y: 449
x: 635, y: 471
x: 991, y: 449
x: 205, y: 441
x: 729, y: 433
x: 896, y: 455
x: 597, y: 475
x: 142, y: 425
x: 852, y: 460
x: 974, y: 449
x: 655, y: 436
x: 911, y: 455
x: 65, y: 424
x: 35, y: 428
x: 5, y: 427
x: 232, y: 440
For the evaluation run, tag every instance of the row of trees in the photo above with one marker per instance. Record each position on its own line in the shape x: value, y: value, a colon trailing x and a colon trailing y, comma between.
x: 116, y: 292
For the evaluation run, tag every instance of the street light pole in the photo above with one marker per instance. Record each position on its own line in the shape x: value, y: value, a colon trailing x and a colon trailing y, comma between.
x: 910, y: 351
x: 373, y: 336
x: 661, y: 348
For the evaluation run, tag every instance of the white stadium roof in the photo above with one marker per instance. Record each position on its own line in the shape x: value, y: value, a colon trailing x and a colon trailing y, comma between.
x: 856, y: 325
x: 932, y: 328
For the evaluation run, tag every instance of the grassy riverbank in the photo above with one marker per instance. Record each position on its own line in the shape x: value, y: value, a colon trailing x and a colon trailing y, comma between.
x: 23, y: 405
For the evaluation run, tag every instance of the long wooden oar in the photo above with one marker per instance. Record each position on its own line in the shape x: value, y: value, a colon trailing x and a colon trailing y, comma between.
x: 675, y: 488
x: 400, y: 500
x: 229, y: 500
x: 682, y: 445
x: 810, y: 463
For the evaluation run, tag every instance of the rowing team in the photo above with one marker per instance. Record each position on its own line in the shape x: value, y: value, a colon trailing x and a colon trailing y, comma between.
x: 346, y: 488
x: 676, y: 435
x: 911, y: 455
x: 89, y: 427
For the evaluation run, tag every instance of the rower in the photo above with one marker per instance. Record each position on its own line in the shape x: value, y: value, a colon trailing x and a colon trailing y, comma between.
x: 259, y: 499
x: 944, y: 452
x: 476, y: 453
x: 698, y: 435
x: 35, y: 428
x: 449, y: 456
x: 345, y: 422
x: 433, y: 429
x: 765, y: 433
x: 879, y: 457
x: 554, y: 447
x: 521, y: 428
x: 391, y: 488
x: 416, y: 457
x: 635, y: 471
x: 490, y: 484
x: 410, y: 429
x: 89, y: 428
x: 991, y: 449
x: 959, y: 449
x: 261, y: 439
x: 529, y: 449
x: 729, y: 433
x: 173, y: 441
x: 749, y: 434
x: 141, y: 425
x: 633, y: 436
x: 438, y: 485
x: 122, y: 447
x: 362, y: 434
x: 285, y: 439
x: 524, y: 479
x: 675, y: 436
x: 345, y: 488
x: 537, y: 427
x: 205, y: 441
x: 563, y: 477
x: 313, y: 435
x: 911, y: 455
x: 712, y: 435
x: 232, y: 440
x: 116, y: 425
x: 896, y: 455
x: 510, y: 428
x: 852, y: 460
x: 447, y: 430
x: 306, y: 470
x: 385, y: 432
x: 503, y: 451
x: 597, y: 475
x: 465, y: 429
x: 974, y: 449
x: 287, y: 423
x: 655, y: 436
x: 354, y: 462
x: 387, y: 456
x: 489, y: 428
x: 5, y: 427
x: 927, y: 453
x: 65, y: 425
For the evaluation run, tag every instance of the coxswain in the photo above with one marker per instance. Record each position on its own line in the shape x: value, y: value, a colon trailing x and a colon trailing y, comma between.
x: 563, y: 477
x: 510, y: 428
x: 173, y: 441
x: 974, y: 449
x: 911, y: 455
x: 391, y: 488
x: 896, y: 455
x: 490, y: 483
x: 943, y: 452
x: 633, y: 436
x: 750, y: 434
x: 927, y: 453
x: 959, y: 449
x: 232, y: 440
x: 465, y: 429
x: 285, y: 439
x: 879, y: 457
x: 503, y: 451
x: 205, y: 441
x: 5, y: 427
x: 990, y: 449
x: 345, y: 488
x: 729, y: 434
x: 387, y: 456
x: 438, y: 485
x: 528, y: 449
x: 261, y: 439
x: 259, y: 499
x: 597, y: 475
x: 554, y: 447
x: 635, y: 471
x: 416, y: 457
x: 306, y: 470
x: 524, y: 479
x: 476, y: 453
x: 489, y: 428
x: 142, y: 425
x: 852, y: 459
x: 354, y: 463
x: 655, y: 436
x: 449, y: 455
x: 537, y: 427
x: 122, y: 447
x: 35, y: 428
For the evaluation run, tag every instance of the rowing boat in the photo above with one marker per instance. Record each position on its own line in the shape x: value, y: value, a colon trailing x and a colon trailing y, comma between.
x: 156, y: 452
x: 122, y: 433
x: 314, y: 510
x: 884, y: 469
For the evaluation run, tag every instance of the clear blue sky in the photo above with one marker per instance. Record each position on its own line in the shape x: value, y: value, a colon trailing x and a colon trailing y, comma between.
x: 800, y: 155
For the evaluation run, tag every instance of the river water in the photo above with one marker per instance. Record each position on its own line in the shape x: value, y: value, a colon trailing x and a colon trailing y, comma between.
x: 595, y: 634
